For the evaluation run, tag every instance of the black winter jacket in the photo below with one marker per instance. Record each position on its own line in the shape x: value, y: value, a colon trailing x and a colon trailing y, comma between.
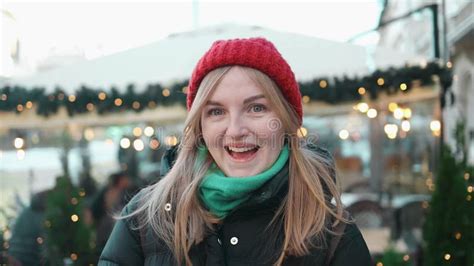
x: 241, y: 239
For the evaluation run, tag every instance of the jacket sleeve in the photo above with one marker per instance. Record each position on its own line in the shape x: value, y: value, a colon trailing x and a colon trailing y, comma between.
x: 352, y: 249
x: 123, y: 246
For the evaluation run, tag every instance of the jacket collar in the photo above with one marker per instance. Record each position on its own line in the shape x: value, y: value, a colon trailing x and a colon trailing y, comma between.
x: 272, y: 192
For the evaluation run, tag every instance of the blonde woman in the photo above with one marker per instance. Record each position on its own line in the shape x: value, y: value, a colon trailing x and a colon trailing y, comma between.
x: 244, y: 189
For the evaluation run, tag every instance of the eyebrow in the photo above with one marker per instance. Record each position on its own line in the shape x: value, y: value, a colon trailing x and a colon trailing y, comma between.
x: 246, y: 101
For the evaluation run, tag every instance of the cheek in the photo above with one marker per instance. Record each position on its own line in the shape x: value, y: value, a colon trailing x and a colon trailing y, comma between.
x: 210, y: 134
x: 268, y: 130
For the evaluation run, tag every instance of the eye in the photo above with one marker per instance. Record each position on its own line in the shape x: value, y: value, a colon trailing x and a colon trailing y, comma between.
x: 215, y: 112
x: 258, y: 108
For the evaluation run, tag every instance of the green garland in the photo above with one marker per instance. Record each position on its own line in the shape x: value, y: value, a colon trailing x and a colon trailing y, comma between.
x: 336, y: 90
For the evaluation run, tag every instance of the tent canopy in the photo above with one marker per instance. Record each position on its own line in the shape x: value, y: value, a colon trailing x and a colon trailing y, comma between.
x: 173, y: 59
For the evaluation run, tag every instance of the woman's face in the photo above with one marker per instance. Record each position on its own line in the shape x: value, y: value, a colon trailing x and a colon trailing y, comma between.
x: 241, y: 130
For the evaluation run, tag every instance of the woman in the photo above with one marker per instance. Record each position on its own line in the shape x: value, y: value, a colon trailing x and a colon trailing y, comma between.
x: 245, y: 189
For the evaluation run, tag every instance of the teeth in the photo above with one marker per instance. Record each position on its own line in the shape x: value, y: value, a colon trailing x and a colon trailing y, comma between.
x: 234, y: 149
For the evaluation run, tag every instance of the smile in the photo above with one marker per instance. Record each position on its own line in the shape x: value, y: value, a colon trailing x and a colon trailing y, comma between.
x: 243, y: 153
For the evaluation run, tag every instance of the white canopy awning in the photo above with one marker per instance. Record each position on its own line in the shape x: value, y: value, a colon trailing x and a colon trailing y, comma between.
x: 173, y: 58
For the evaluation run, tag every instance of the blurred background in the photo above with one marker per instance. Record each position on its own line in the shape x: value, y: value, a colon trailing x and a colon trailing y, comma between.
x: 93, y: 94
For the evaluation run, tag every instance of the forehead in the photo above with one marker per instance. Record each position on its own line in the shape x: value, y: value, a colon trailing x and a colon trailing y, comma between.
x: 236, y: 83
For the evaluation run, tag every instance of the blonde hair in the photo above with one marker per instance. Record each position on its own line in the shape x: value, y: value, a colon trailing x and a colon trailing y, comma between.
x: 305, y: 210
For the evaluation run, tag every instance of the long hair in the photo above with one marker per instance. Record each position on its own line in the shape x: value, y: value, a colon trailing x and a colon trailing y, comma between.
x: 305, y: 210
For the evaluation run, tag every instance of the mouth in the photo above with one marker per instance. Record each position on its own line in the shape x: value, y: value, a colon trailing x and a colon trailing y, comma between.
x: 242, y: 153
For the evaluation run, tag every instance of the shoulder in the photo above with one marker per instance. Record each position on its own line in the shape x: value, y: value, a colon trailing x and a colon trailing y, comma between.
x: 323, y: 154
x: 351, y: 249
x: 134, y: 202
x: 124, y: 244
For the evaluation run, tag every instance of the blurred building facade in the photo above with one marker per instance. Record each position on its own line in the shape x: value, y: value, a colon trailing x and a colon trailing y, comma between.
x: 10, y: 49
x: 14, y: 61
x: 414, y: 34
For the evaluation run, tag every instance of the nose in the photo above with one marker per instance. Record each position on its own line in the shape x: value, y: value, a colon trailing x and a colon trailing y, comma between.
x: 237, y: 127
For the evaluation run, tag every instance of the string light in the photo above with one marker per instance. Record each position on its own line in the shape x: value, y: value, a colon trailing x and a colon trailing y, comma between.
x: 457, y: 235
x: 391, y: 130
x: 379, y: 264
x: 39, y: 240
x: 407, y: 113
x: 344, y: 134
x: 323, y: 84
x: 102, y: 96
x: 73, y: 256
x: 61, y: 96
x: 447, y: 256
x: 403, y: 87
x: 19, y: 108
x: 149, y: 131
x: 392, y: 107
x: 74, y: 201
x: 466, y: 176
x: 4, y: 97
x: 469, y: 197
x: 171, y: 140
x: 398, y: 113
x: 125, y: 143
x: 154, y: 144
x: 71, y: 98
x: 406, y: 125
x: 361, y: 90
x: 435, y: 125
x: 469, y: 189
x: 372, y: 113
x: 18, y: 143
x: 138, y: 145
x: 90, y: 107
x: 29, y: 105
x: 135, y: 105
x: 47, y: 223
x: 306, y: 99
x: 166, y: 92
x: 151, y: 104
x: 118, y: 102
x: 363, y: 107
x: 449, y: 64
x: 185, y: 89
x: 406, y: 257
x: 74, y: 218
x: 380, y: 81
x: 137, y: 132
x: 82, y: 193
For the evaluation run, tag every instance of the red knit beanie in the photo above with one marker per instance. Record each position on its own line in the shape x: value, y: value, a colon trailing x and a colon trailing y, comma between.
x: 257, y: 53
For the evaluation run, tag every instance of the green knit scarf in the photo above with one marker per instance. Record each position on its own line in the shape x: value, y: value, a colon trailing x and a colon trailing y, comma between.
x: 221, y: 194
